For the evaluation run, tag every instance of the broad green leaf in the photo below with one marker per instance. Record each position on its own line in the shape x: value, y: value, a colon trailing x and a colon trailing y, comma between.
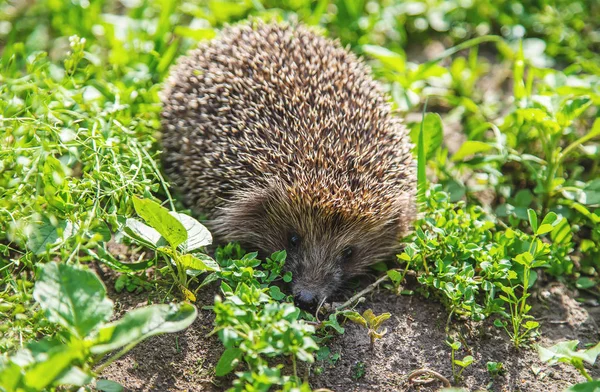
x: 72, y: 297
x: 466, y: 361
x: 197, y: 235
x: 44, y: 373
x: 142, y: 323
x: 108, y: 386
x: 585, y: 283
x: 590, y: 354
x: 590, y: 386
x: 194, y: 263
x: 46, y: 234
x: 74, y: 376
x: 470, y: 147
x: 10, y: 375
x: 228, y: 361
x: 394, y: 275
x: 142, y: 233
x: 159, y: 218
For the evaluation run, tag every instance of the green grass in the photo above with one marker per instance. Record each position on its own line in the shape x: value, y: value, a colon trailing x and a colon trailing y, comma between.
x: 519, y: 84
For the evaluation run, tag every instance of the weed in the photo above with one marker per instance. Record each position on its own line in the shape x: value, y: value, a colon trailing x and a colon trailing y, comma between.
x: 370, y: 321
x: 176, y: 236
x: 456, y: 363
x: 358, y: 371
x: 494, y: 369
x: 566, y: 352
x: 75, y: 300
x: 254, y: 326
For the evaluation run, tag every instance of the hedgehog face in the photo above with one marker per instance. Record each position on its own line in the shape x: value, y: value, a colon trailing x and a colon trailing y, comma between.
x: 324, y: 246
x: 330, y: 252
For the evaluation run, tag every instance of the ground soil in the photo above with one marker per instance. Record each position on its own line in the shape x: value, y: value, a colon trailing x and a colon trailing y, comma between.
x: 415, y: 340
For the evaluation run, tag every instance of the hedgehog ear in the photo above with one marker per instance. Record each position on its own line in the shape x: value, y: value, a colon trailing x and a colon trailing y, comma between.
x: 242, y: 216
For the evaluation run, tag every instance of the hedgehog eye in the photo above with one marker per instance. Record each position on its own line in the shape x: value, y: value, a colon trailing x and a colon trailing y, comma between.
x: 294, y: 240
x: 347, y: 253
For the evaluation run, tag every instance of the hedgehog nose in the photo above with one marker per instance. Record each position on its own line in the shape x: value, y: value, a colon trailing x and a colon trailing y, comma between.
x: 305, y: 300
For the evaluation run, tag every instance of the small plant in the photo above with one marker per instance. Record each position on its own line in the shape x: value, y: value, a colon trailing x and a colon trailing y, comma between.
x: 566, y: 352
x: 461, y: 364
x: 494, y: 369
x: 254, y: 326
x: 522, y: 325
x: 75, y: 300
x: 358, y: 371
x: 177, y: 237
x: 370, y: 321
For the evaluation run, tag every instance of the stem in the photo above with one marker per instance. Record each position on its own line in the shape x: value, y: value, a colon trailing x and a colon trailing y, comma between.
x: 295, y: 369
x: 364, y: 291
x: 118, y: 355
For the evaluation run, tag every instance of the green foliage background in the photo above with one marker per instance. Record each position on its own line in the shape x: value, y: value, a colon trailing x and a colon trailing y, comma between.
x: 79, y: 127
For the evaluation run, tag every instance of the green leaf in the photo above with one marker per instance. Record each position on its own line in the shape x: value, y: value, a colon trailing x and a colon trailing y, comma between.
x: 108, y: 386
x: 159, y: 218
x: 394, y: 276
x: 466, y: 361
x: 544, y: 228
x: 74, y: 376
x: 10, y: 375
x: 561, y: 234
x: 72, y: 297
x: 433, y: 134
x: 194, y: 263
x: 470, y: 147
x: 550, y: 219
x: 228, y: 361
x: 389, y: 59
x: 355, y: 317
x: 276, y: 293
x: 44, y: 373
x: 198, y: 236
x: 421, y: 161
x: 590, y: 386
x: 585, y: 283
x: 46, y: 234
x: 590, y: 354
x: 142, y: 323
x: 142, y: 233
x: 533, y: 221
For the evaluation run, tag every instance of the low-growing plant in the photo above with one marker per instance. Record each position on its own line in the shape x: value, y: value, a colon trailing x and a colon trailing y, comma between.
x: 370, y: 321
x: 566, y: 352
x: 521, y: 322
x: 494, y: 369
x: 75, y: 300
x: 178, y: 238
x: 458, y: 366
x: 478, y: 269
x: 255, y: 326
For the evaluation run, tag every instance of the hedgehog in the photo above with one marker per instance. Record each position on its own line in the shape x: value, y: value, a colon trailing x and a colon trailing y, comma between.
x: 284, y: 141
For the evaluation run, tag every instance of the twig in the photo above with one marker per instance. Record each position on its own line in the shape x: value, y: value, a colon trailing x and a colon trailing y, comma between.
x: 428, y: 372
x: 364, y: 291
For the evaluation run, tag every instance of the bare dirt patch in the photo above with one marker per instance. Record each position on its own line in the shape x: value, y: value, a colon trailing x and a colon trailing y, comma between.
x: 415, y: 339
